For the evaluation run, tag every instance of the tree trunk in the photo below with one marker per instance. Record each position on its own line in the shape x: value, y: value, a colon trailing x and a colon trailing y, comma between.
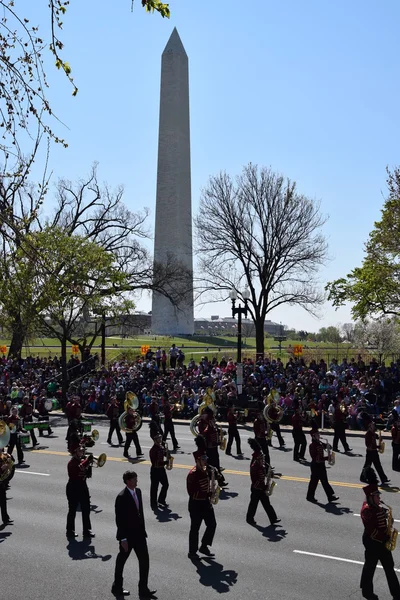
x: 18, y: 337
x: 259, y: 338
x: 64, y: 372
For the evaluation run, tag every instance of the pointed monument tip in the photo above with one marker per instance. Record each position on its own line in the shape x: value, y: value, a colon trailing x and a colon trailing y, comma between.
x: 174, y: 44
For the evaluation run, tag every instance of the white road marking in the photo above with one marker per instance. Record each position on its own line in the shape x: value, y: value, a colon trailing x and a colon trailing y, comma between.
x: 340, y: 559
x: 356, y: 515
x: 32, y: 473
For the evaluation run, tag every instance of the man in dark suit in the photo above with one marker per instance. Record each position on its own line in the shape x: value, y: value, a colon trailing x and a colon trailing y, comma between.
x: 131, y: 534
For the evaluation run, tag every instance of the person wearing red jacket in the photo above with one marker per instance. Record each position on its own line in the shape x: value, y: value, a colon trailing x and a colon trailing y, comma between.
x: 259, y: 486
x: 372, y: 454
x: 158, y: 474
x: 14, y: 422
x: 260, y: 427
x: 233, y: 432
x: 396, y: 443
x: 113, y: 414
x: 78, y: 493
x: 374, y: 518
x: 200, y: 507
x: 299, y: 438
x: 318, y: 469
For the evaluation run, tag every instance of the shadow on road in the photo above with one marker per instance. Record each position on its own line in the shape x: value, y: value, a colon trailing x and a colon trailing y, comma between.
x: 40, y: 447
x: 4, y: 535
x: 84, y: 549
x: 93, y: 508
x: 282, y: 448
x: 391, y: 489
x: 334, y: 509
x: 212, y: 574
x: 165, y: 515
x: 224, y: 495
x: 272, y: 533
x: 24, y: 466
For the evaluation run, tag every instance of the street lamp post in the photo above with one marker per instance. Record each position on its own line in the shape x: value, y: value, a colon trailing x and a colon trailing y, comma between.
x: 239, y: 311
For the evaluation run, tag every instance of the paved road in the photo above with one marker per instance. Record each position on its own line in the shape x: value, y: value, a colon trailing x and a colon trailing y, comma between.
x: 315, y: 555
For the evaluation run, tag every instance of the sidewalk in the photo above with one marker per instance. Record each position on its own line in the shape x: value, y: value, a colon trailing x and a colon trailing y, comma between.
x: 386, y: 435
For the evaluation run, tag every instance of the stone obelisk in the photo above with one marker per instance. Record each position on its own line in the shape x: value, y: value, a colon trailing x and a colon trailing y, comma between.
x: 173, y: 227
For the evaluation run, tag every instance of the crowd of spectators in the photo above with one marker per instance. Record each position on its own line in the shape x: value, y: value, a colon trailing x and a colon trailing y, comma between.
x: 361, y: 386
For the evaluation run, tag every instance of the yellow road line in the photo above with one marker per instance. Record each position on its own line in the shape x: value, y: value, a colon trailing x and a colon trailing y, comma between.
x: 227, y: 471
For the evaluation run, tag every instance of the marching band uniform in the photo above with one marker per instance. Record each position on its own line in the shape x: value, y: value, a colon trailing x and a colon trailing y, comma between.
x: 169, y: 425
x: 260, y: 433
x: 131, y: 435
x: 374, y: 518
x: 339, y: 428
x: 233, y: 432
x: 44, y: 416
x: 396, y: 445
x: 155, y: 429
x: 259, y: 487
x: 299, y: 438
x: 318, y: 470
x: 73, y: 410
x: 78, y: 493
x: 113, y: 414
x: 158, y: 474
x: 275, y: 426
x: 200, y: 507
x: 14, y: 437
x: 3, y: 491
x: 26, y: 414
x: 209, y: 431
x: 372, y: 455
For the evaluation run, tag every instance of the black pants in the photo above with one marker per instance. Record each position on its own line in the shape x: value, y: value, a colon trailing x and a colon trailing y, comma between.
x: 264, y: 447
x: 300, y: 444
x: 233, y: 434
x: 213, y: 457
x: 15, y: 442
x: 372, y: 458
x: 142, y: 553
x: 78, y: 493
x: 170, y: 429
x: 319, y: 474
x: 199, y: 511
x: 3, y: 503
x: 172, y: 362
x: 277, y: 428
x: 114, y: 426
x: 132, y: 436
x: 374, y: 552
x: 395, y: 457
x: 158, y: 476
x: 257, y: 496
x: 340, y: 434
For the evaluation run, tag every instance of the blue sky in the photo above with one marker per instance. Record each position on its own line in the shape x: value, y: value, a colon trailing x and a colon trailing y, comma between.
x: 308, y: 87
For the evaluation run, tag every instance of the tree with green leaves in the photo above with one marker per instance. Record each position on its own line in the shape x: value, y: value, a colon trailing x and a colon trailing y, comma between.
x: 258, y: 231
x: 373, y: 289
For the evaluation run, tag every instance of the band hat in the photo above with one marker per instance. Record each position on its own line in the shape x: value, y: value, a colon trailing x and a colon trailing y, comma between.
x: 371, y: 490
x: 200, y: 454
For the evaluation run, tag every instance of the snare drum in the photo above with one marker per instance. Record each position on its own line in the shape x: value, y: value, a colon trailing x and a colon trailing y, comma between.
x: 24, y: 438
x: 86, y: 426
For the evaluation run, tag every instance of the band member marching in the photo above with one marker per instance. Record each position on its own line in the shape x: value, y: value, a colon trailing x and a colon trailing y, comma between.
x: 43, y: 415
x: 233, y: 432
x: 26, y: 414
x: 78, y: 492
x: 169, y: 424
x: 14, y: 423
x: 318, y: 469
x: 158, y: 474
x: 113, y: 412
x: 259, y: 487
x: 396, y: 442
x: 372, y: 451
x: 339, y: 415
x: 76, y: 439
x: 274, y: 413
x: 198, y: 485
x: 379, y: 539
x: 130, y: 434
x: 299, y: 438
x: 73, y: 409
x: 6, y: 474
x: 209, y: 431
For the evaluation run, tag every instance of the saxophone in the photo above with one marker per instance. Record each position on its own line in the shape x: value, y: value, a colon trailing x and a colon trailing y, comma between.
x: 169, y: 457
x: 270, y: 483
x: 215, y: 490
x: 331, y: 453
x: 390, y: 531
x: 381, y: 443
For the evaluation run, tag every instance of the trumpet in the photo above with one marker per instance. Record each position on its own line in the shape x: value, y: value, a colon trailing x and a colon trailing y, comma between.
x: 99, y: 461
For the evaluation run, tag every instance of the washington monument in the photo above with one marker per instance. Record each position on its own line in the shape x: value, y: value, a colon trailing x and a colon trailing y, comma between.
x: 173, y: 228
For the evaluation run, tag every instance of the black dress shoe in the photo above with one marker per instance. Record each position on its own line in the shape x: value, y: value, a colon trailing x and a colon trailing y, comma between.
x: 276, y: 521
x: 333, y: 498
x: 88, y: 534
x: 206, y: 551
x: 251, y: 522
x: 119, y: 591
x: 163, y: 504
x: 313, y: 500
x: 71, y: 534
x: 147, y: 593
x: 177, y: 448
x: 385, y: 482
x: 193, y: 556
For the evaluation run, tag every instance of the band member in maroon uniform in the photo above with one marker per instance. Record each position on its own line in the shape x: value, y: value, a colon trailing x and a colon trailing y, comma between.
x: 26, y: 414
x: 299, y: 438
x: 372, y: 454
x: 73, y: 409
x: 260, y: 427
x: 396, y: 442
x: 339, y: 426
x: 275, y: 426
x: 169, y: 425
x: 259, y: 486
x: 3, y: 487
x: 130, y: 434
x: 200, y: 507
x: 113, y: 414
x: 14, y: 423
x: 154, y: 409
x: 208, y: 430
x: 158, y: 474
x: 318, y: 469
x: 233, y: 432
x: 43, y: 415
x: 375, y: 536
x: 78, y: 493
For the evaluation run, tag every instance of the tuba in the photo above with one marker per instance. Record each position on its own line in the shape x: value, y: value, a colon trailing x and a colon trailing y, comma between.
x: 131, y: 400
x: 208, y: 400
x: 4, y: 434
x: 6, y: 466
x: 273, y: 413
x: 122, y: 424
